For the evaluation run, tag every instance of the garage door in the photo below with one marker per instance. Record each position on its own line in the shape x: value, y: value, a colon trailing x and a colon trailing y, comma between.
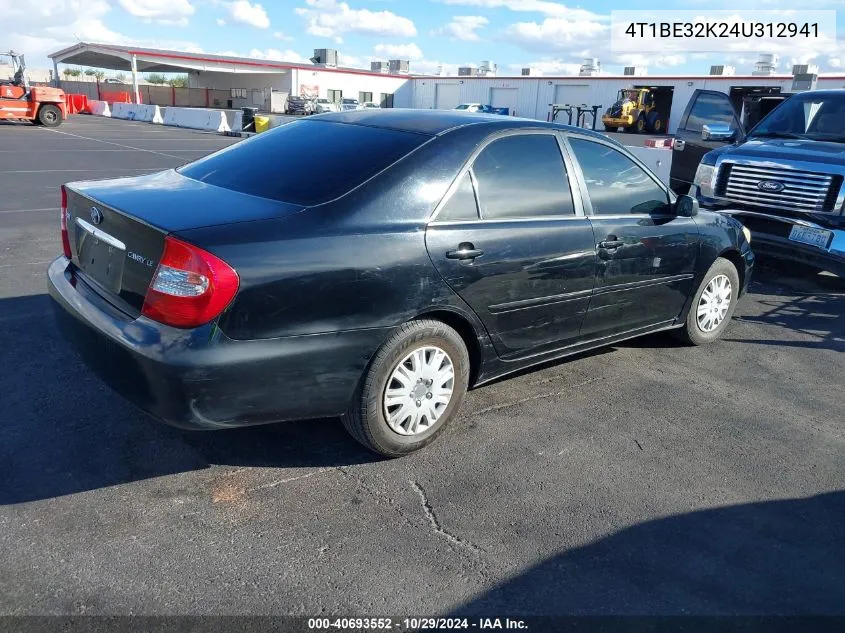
x: 446, y: 96
x: 504, y: 98
x: 573, y: 94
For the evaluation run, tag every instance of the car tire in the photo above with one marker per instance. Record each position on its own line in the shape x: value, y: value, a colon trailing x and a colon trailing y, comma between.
x: 608, y: 128
x: 708, y: 317
x: 415, y: 347
x: 49, y: 116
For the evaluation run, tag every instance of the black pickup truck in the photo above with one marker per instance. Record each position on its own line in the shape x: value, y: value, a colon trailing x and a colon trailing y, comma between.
x: 783, y: 179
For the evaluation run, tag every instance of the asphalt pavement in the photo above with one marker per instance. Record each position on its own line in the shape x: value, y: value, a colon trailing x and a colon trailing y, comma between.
x: 645, y: 478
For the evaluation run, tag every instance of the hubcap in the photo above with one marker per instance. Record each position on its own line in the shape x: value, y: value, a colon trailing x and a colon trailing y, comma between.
x: 419, y: 390
x: 714, y: 303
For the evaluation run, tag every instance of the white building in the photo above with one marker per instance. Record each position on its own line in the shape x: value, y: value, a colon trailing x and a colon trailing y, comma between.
x: 238, y: 81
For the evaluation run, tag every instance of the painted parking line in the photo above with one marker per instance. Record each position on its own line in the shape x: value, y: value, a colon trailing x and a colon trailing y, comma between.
x: 109, y: 143
x: 59, y: 171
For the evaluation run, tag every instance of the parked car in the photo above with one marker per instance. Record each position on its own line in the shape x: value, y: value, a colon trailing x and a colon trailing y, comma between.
x: 325, y: 105
x: 246, y: 287
x: 478, y: 107
x: 349, y: 104
x: 369, y: 105
x: 783, y: 179
x: 299, y: 105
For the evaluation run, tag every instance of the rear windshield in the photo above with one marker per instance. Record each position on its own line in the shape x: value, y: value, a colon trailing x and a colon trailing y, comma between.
x: 304, y: 162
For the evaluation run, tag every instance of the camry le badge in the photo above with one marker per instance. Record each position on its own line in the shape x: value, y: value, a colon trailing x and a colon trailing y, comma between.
x: 773, y: 186
x: 96, y: 215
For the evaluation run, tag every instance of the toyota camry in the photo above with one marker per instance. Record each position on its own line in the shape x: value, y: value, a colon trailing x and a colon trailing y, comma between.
x: 431, y: 252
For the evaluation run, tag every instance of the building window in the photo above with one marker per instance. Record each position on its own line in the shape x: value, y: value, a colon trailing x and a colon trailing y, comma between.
x: 335, y: 95
x: 365, y: 97
x: 386, y: 100
x: 238, y: 93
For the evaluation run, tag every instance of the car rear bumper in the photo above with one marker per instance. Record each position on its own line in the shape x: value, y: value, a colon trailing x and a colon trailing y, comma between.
x: 770, y: 236
x: 200, y: 378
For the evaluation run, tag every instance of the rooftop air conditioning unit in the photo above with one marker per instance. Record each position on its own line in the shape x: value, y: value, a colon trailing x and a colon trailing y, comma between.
x: 530, y: 72
x: 400, y: 66
x: 379, y: 67
x: 325, y: 56
x: 805, y: 69
x: 591, y: 66
x: 486, y: 69
x: 466, y: 71
x: 635, y: 71
x: 766, y: 65
x: 722, y: 70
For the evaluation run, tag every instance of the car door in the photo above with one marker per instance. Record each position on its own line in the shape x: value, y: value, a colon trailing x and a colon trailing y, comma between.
x: 521, y: 253
x: 707, y: 107
x: 646, y: 254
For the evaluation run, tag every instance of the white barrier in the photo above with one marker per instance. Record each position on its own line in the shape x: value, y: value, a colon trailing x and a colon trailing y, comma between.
x: 137, y: 112
x: 658, y: 159
x: 197, y: 119
x: 100, y: 108
x: 237, y: 121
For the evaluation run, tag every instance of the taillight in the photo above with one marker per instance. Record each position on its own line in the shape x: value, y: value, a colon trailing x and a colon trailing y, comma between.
x: 65, y: 238
x: 190, y: 287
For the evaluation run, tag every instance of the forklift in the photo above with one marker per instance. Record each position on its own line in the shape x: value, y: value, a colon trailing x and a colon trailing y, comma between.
x: 39, y: 104
x: 634, y: 111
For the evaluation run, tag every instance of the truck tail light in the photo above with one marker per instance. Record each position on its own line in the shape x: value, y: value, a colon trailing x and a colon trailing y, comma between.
x: 190, y: 287
x: 63, y: 214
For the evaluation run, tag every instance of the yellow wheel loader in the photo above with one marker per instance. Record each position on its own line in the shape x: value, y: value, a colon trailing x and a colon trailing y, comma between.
x: 634, y: 111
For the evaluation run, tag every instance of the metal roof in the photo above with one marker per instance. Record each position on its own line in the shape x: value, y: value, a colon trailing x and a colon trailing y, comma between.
x: 115, y: 57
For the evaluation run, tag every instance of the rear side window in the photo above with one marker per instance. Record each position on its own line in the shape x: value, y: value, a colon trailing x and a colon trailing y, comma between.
x: 462, y: 205
x: 305, y: 162
x: 522, y: 177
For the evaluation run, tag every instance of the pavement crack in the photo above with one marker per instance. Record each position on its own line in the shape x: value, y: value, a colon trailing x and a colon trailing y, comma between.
x: 279, y: 482
x: 436, y: 526
x: 539, y: 396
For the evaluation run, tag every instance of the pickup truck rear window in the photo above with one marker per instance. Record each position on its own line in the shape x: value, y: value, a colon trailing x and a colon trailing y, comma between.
x: 304, y: 162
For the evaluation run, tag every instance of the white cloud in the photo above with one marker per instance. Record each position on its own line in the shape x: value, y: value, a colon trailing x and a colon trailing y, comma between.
x: 244, y: 12
x: 548, y: 67
x: 430, y: 67
x: 463, y: 27
x: 557, y: 34
x: 351, y: 61
x: 834, y: 62
x: 169, y: 12
x: 552, y: 9
x: 651, y: 60
x: 276, y: 55
x: 399, y: 51
x: 279, y: 35
x: 329, y: 18
x: 221, y: 22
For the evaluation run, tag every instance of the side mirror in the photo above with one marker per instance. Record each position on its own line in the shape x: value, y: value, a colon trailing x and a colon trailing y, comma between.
x: 686, y: 207
x: 717, y: 132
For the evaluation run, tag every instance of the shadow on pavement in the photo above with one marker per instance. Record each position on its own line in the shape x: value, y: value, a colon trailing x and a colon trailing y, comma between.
x: 769, y: 558
x: 63, y: 431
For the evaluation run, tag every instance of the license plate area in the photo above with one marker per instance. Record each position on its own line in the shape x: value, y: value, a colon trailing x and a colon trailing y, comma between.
x: 812, y: 236
x: 101, y: 256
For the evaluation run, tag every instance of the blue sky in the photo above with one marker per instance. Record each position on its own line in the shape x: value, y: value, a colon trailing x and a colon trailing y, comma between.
x: 550, y: 35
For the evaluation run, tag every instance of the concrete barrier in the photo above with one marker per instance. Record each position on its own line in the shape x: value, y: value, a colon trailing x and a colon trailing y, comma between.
x: 197, y: 119
x: 658, y: 159
x: 137, y: 112
x: 237, y: 122
x: 100, y: 108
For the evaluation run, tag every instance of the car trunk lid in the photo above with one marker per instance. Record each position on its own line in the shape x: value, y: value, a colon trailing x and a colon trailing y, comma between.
x: 116, y: 228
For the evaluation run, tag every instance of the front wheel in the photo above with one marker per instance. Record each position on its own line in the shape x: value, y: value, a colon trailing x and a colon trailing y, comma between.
x: 413, y: 387
x: 49, y: 116
x: 713, y: 305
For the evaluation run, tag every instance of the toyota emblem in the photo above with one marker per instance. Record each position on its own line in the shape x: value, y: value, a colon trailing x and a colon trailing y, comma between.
x: 96, y: 215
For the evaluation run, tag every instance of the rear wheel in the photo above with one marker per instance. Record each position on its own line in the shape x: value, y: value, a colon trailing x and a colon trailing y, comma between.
x: 713, y: 305
x: 609, y: 128
x: 655, y: 123
x: 414, y: 385
x: 49, y: 116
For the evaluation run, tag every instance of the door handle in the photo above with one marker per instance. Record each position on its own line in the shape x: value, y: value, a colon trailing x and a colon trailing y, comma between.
x: 610, y: 244
x: 465, y: 251
x: 679, y: 144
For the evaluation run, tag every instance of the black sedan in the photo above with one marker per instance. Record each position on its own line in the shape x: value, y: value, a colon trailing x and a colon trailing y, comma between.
x: 374, y: 264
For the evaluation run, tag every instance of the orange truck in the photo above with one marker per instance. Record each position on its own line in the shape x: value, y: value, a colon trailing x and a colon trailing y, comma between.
x: 39, y: 104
